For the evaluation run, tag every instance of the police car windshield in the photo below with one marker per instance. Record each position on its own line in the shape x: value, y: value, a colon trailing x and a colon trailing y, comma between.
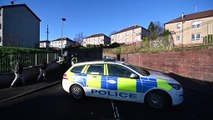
x: 139, y: 70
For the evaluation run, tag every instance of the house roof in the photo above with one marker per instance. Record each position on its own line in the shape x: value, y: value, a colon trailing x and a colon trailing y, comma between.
x: 21, y: 5
x: 45, y: 41
x: 127, y: 29
x: 193, y: 16
x: 59, y: 39
x: 97, y: 35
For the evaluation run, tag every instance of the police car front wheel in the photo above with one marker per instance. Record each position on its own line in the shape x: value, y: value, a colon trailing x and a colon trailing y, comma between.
x: 158, y: 99
x: 77, y: 92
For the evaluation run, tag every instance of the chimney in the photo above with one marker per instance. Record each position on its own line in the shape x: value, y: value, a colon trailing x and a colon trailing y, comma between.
x: 182, y: 16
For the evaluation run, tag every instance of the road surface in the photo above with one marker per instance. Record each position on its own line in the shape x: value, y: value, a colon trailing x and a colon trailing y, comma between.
x: 54, y: 104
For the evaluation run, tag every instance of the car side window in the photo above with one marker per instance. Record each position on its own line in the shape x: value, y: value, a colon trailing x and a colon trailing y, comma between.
x: 77, y: 69
x: 96, y: 69
x: 119, y: 71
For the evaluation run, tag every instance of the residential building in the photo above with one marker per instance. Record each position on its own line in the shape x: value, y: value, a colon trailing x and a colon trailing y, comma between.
x: 61, y: 43
x: 19, y: 26
x: 192, y: 28
x: 96, y: 39
x: 130, y: 35
x: 44, y: 44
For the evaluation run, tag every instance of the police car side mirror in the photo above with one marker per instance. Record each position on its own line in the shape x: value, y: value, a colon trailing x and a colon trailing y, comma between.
x: 134, y: 76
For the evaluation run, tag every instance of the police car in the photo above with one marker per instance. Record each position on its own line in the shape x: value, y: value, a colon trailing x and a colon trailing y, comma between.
x: 122, y: 81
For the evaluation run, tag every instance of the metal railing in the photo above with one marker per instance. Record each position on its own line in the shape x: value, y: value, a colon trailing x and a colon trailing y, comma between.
x: 28, y: 60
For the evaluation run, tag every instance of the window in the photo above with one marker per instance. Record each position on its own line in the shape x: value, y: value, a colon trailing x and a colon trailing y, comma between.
x: 77, y: 69
x: 178, y: 26
x: 0, y: 26
x: 178, y: 38
x: 96, y: 69
x: 127, y: 33
x: 138, y: 69
x: 195, y: 37
x: 119, y: 36
x: 196, y: 24
x: 116, y: 70
x: 0, y: 39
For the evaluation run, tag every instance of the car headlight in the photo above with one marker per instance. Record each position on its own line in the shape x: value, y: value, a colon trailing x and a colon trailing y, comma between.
x: 175, y: 86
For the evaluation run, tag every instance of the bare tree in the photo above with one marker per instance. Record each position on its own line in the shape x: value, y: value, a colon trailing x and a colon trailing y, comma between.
x: 158, y: 27
x: 79, y: 37
x: 155, y: 29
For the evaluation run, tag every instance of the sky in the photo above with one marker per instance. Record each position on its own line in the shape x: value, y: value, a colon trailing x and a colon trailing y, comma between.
x: 105, y: 16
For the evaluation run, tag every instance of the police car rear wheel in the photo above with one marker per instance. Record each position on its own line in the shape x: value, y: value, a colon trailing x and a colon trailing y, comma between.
x: 157, y: 100
x: 77, y: 92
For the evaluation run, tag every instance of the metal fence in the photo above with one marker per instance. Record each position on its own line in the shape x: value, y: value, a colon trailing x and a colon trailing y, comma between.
x: 28, y: 60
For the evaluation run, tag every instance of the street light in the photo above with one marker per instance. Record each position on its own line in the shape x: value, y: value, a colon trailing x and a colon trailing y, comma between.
x: 62, y: 25
x: 182, y: 18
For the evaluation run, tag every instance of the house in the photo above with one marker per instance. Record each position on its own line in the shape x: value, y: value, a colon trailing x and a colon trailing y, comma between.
x: 192, y: 28
x: 96, y: 39
x: 44, y: 44
x: 130, y: 35
x: 19, y: 26
x: 61, y: 43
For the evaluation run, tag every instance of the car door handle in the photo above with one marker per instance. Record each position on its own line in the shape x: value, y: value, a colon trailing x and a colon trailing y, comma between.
x: 111, y: 81
x: 94, y: 76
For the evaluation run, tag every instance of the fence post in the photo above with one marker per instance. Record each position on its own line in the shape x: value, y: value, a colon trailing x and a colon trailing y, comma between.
x: 139, y: 60
x: 36, y: 59
x: 55, y: 56
x: 47, y: 57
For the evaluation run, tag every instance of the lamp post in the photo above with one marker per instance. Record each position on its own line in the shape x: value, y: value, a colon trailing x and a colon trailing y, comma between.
x: 182, y: 29
x: 62, y: 26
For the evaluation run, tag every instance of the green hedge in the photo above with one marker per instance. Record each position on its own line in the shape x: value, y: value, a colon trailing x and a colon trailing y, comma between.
x: 5, y: 51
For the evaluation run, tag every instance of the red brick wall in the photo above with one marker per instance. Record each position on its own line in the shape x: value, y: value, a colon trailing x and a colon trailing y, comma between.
x: 196, y: 64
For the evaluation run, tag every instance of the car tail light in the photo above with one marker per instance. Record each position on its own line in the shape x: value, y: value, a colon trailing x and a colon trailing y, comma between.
x: 65, y: 77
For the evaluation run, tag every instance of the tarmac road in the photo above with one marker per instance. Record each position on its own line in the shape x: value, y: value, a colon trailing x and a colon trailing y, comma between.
x: 55, y: 104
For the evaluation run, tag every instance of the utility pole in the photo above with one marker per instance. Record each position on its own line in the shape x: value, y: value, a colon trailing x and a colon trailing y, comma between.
x: 195, y: 6
x: 47, y: 46
x: 47, y: 33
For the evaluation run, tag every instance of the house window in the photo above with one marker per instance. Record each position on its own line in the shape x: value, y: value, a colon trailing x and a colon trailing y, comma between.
x: 0, y: 26
x: 127, y: 33
x: 195, y: 37
x: 0, y: 39
x: 196, y: 24
x: 178, y: 38
x: 178, y: 26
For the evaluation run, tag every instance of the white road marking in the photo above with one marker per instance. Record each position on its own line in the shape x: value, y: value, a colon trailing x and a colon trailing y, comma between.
x: 115, y: 111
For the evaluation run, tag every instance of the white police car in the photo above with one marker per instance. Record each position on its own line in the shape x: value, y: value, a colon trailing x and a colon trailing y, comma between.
x: 121, y: 81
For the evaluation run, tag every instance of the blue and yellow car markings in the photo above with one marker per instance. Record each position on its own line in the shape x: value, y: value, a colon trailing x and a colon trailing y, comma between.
x: 117, y: 83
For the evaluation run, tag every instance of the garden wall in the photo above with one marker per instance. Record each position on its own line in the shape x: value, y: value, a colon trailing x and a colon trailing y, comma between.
x: 196, y: 64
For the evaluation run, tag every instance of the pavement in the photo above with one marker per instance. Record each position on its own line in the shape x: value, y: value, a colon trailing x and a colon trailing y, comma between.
x: 203, y: 87
x: 53, y: 77
x: 7, y: 94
